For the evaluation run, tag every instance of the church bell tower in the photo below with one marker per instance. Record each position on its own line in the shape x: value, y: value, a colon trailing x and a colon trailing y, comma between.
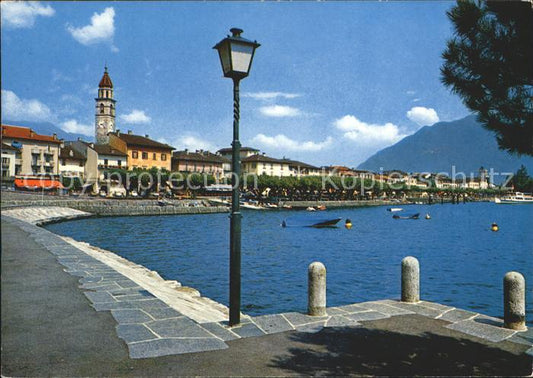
x: 105, y: 110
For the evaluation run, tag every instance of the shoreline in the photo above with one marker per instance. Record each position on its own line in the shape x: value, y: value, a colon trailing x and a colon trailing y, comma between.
x: 196, y: 315
x: 184, y: 299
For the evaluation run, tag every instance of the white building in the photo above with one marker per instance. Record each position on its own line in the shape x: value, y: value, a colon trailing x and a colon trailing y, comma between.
x: 265, y: 165
x: 10, y: 155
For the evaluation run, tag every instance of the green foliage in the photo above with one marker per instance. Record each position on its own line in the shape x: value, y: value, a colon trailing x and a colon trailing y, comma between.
x: 72, y: 183
x: 521, y: 181
x: 489, y: 64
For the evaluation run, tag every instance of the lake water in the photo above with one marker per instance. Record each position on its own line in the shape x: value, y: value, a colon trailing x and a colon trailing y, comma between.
x: 462, y: 262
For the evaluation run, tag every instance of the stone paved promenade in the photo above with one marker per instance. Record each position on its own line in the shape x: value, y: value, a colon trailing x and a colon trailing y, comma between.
x: 65, y: 312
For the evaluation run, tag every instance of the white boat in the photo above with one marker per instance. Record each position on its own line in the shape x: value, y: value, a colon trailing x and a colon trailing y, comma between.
x: 394, y: 209
x: 515, y: 198
x: 252, y: 206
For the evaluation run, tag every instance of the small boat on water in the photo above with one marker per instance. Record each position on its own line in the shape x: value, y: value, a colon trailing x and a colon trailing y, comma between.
x: 407, y: 216
x: 252, y: 206
x: 319, y: 207
x: 310, y: 222
x: 394, y: 209
x: 516, y: 198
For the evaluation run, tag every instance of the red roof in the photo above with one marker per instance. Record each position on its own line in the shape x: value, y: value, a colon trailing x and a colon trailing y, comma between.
x: 19, y: 132
x: 106, y: 81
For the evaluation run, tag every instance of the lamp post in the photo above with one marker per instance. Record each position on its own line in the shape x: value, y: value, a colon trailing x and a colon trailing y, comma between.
x: 236, y: 55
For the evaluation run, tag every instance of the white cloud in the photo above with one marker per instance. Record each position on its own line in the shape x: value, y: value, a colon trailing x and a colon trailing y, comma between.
x: 423, y: 116
x: 191, y: 143
x: 368, y: 134
x: 17, y: 109
x: 280, y: 111
x: 72, y: 126
x: 270, y: 95
x: 136, y: 117
x: 22, y: 14
x: 101, y: 29
x: 283, y: 142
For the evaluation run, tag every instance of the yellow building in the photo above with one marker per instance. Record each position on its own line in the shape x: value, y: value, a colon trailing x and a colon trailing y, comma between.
x: 142, y: 151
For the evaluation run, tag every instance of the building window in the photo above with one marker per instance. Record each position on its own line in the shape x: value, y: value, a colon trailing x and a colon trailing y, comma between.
x: 106, y: 161
x: 119, y: 163
x: 135, y: 154
x: 81, y: 163
x: 101, y: 108
x: 154, y: 156
x: 254, y: 165
x: 145, y: 155
x: 164, y: 157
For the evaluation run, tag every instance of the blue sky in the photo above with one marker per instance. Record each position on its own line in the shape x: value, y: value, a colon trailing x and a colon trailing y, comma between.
x: 332, y: 83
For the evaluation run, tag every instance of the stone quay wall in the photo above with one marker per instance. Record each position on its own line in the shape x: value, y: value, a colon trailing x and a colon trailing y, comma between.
x: 112, y: 207
x: 333, y: 204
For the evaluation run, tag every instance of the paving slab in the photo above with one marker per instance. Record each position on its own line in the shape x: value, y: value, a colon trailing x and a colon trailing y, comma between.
x: 248, y: 330
x: 341, y: 321
x: 220, y: 331
x: 273, y: 323
x: 385, y: 308
x: 368, y: 315
x: 456, y: 315
x: 99, y: 296
x: 130, y: 316
x: 162, y: 313
x: 481, y: 330
x: 165, y: 347
x: 177, y: 327
x: 131, y: 333
x: 297, y: 319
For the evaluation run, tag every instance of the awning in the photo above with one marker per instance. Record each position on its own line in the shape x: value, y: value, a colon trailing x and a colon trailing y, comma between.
x: 35, y: 183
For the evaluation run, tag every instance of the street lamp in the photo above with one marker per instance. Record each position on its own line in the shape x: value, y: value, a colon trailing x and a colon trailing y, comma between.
x: 236, y: 55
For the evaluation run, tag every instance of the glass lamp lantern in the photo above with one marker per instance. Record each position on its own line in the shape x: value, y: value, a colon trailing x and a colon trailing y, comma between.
x: 236, y: 54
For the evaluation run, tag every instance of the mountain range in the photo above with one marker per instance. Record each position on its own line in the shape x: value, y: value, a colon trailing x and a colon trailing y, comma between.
x: 463, y: 143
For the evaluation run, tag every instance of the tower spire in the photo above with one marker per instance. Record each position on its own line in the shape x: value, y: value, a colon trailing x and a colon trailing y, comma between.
x: 105, y: 109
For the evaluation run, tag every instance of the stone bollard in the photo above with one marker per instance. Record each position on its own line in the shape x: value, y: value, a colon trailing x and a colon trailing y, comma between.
x: 410, y: 280
x: 514, y: 301
x: 316, y: 285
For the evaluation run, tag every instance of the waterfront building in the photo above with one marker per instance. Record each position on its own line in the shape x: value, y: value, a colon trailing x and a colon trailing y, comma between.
x: 10, y: 155
x: 363, y: 174
x: 300, y: 169
x: 90, y: 156
x: 245, y: 152
x: 71, y: 162
x: 142, y: 152
x: 104, y: 110
x: 109, y: 158
x: 264, y: 165
x: 199, y: 162
x: 339, y: 170
x: 39, y: 154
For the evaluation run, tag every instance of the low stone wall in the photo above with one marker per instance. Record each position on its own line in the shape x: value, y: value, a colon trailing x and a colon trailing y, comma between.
x: 111, y: 207
x: 332, y: 204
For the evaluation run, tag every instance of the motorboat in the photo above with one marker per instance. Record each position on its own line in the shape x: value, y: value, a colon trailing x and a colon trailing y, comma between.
x: 394, y: 209
x: 407, y: 216
x: 252, y: 206
x: 310, y: 222
x: 515, y: 198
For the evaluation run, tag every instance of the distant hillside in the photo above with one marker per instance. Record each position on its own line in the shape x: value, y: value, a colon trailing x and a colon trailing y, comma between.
x: 48, y: 128
x: 464, y: 144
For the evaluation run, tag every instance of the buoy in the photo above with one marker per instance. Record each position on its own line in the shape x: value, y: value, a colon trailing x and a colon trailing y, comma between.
x: 494, y: 227
x: 348, y: 224
x: 428, y: 216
